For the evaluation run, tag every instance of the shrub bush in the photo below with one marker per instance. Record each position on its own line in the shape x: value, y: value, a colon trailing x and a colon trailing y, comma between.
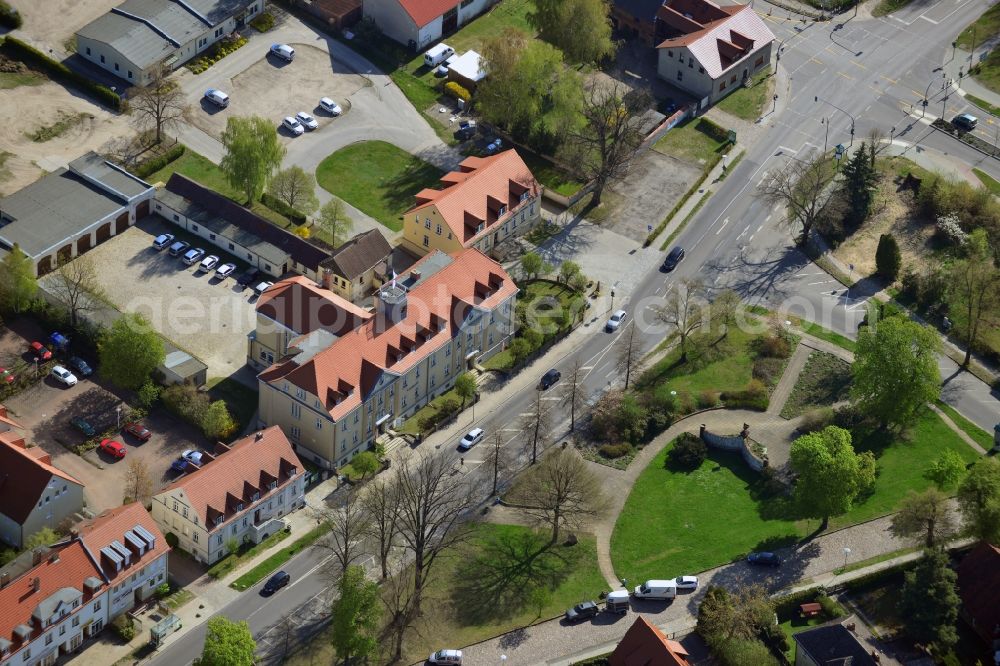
x: 9, y: 17
x: 279, y: 206
x: 712, y: 130
x: 738, y: 652
x: 18, y: 50
x: 171, y: 539
x: 816, y: 419
x: 186, y: 402
x: 154, y: 164
x: 768, y: 370
x: 831, y: 608
x: 770, y: 483
x: 162, y: 590
x: 708, y: 399
x: 775, y: 638
x: 457, y: 91
x: 849, y: 417
x: 772, y: 346
x: 124, y: 628
x: 689, y: 452
x: 754, y: 396
x: 264, y: 22
x: 615, y: 450
x: 788, y: 605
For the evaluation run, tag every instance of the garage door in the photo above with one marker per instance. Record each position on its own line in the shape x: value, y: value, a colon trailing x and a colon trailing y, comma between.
x: 121, y: 224
x: 104, y: 232
x: 142, y: 210
x: 83, y: 244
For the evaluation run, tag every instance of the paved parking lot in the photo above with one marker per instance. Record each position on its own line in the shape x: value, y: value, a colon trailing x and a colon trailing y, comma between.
x: 274, y: 88
x: 207, y: 317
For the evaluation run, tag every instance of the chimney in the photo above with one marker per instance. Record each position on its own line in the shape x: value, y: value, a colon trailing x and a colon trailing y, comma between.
x: 53, y: 557
x: 74, y: 534
x: 36, y: 557
x: 4, y: 580
x: 258, y: 436
x: 326, y: 279
x: 415, y: 274
x: 36, y: 584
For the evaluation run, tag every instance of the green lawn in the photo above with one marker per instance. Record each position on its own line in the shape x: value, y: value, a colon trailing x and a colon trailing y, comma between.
x: 724, y: 365
x: 691, y: 141
x: 982, y: 437
x: 716, y: 514
x: 224, y: 566
x: 207, y: 173
x: 549, y: 175
x: 377, y: 178
x: 988, y: 72
x: 412, y: 425
x: 825, y: 380
x: 749, y: 103
x: 544, y: 302
x: 818, y: 331
x: 888, y: 6
x: 983, y: 104
x: 984, y: 27
x: 988, y: 181
x: 255, y: 575
x: 15, y: 79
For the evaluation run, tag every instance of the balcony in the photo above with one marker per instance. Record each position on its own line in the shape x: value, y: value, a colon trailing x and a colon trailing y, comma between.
x: 259, y: 532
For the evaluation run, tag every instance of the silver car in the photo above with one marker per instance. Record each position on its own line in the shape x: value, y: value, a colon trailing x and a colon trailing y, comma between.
x: 307, y: 121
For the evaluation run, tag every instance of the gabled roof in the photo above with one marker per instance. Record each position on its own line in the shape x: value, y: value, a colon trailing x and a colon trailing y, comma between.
x: 248, y: 466
x: 978, y: 583
x: 358, y: 255
x: 301, y: 305
x: 24, y: 476
x: 226, y: 217
x: 424, y: 11
x: 130, y: 526
x: 473, y: 195
x: 645, y: 645
x: 717, y: 36
x: 438, y: 304
x: 833, y: 643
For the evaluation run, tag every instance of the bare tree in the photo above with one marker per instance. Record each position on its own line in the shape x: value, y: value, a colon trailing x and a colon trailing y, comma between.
x: 724, y: 308
x: 138, y: 485
x: 630, y: 353
x: 381, y: 502
x: 75, y: 283
x: 158, y: 105
x: 496, y: 460
x: 573, y: 393
x: 536, y: 425
x: 876, y: 144
x: 975, y: 281
x: 401, y: 604
x: 559, y: 492
x: 683, y: 311
x: 610, y: 136
x: 296, y: 188
x: 802, y: 188
x: 344, y: 542
x: 432, y: 507
x: 333, y: 219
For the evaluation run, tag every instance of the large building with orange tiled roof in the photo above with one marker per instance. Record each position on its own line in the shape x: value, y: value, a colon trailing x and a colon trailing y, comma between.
x: 334, y: 393
x: 487, y: 201
x: 53, y: 599
x: 237, y: 495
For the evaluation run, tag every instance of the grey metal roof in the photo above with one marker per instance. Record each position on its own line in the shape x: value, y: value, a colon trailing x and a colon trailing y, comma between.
x: 52, y: 209
x: 47, y: 606
x: 217, y: 11
x: 93, y: 166
x: 135, y: 41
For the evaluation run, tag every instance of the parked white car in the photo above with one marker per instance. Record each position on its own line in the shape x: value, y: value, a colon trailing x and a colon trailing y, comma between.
x: 686, y: 582
x: 193, y: 255
x: 262, y: 287
x: 307, y: 121
x: 293, y: 126
x: 330, y: 106
x: 217, y: 97
x: 162, y: 241
x: 283, y: 51
x: 208, y: 263
x: 63, y: 376
x: 225, y: 270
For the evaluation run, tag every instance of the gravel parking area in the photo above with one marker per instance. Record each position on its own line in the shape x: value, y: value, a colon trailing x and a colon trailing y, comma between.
x: 654, y: 184
x: 273, y: 88
x: 207, y: 317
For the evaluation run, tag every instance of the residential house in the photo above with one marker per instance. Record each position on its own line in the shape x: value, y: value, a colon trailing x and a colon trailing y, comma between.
x: 638, y: 18
x: 138, y: 36
x: 979, y: 588
x: 69, y: 211
x: 237, y: 495
x: 710, y: 50
x: 837, y: 642
x: 430, y: 325
x: 355, y: 268
x: 467, y: 70
x: 297, y: 307
x: 644, y: 644
x: 418, y: 23
x: 33, y: 493
x: 487, y: 201
x: 337, y: 14
x: 52, y: 599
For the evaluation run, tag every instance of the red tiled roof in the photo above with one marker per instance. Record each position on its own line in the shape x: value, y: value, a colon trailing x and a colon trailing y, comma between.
x: 112, y: 526
x: 300, y: 304
x: 18, y: 601
x: 424, y: 11
x: 979, y: 587
x: 233, y: 476
x: 645, y: 645
x: 717, y: 36
x: 472, y: 195
x: 345, y: 372
x: 24, y: 476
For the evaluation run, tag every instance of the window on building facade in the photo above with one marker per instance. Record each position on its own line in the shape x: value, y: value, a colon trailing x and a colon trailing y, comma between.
x: 670, y: 54
x: 680, y: 58
x: 195, y: 537
x: 427, y: 241
x: 438, y: 231
x: 185, y: 512
x: 194, y: 227
x: 680, y: 75
x: 296, y: 410
x: 319, y: 424
x: 295, y: 432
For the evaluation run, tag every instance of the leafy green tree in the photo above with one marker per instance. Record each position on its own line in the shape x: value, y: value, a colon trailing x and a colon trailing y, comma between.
x: 228, y: 643
x: 533, y: 265
x: 129, y: 351
x: 43, y: 537
x: 830, y: 474
x: 366, y: 463
x: 356, y: 615
x: 519, y: 349
x: 946, y: 470
x: 253, y: 152
x: 332, y: 218
x: 896, y: 370
x: 859, y: 184
x: 975, y: 283
x: 888, y: 259
x: 148, y: 393
x: 979, y: 500
x: 928, y: 603
x: 218, y: 423
x: 568, y: 270
x: 924, y: 516
x: 580, y: 28
x: 739, y: 614
x: 465, y: 387
x: 17, y: 280
x: 296, y: 188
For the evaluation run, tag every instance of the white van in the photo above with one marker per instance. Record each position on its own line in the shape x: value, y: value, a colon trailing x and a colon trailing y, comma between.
x: 438, y: 54
x: 656, y: 589
x: 446, y: 658
x: 217, y: 97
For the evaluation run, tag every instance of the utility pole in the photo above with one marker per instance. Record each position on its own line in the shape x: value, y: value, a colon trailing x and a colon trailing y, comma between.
x: 826, y: 136
x: 972, y: 53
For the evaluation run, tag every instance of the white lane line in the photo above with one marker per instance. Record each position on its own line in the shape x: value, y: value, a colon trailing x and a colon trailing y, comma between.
x: 750, y: 240
x: 787, y: 150
x: 724, y: 223
x: 927, y: 19
x: 809, y: 274
x: 587, y: 367
x: 736, y: 197
x: 613, y: 372
x: 299, y: 580
x: 768, y: 218
x: 744, y: 232
x: 823, y: 282
x: 758, y: 229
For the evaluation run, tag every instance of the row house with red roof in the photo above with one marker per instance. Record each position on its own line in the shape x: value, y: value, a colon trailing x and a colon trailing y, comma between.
x: 53, y: 599
x: 237, y: 495
x: 335, y: 390
x: 418, y: 23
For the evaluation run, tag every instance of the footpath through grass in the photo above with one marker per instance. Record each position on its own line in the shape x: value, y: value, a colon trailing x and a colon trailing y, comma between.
x: 377, y: 178
x: 719, y: 511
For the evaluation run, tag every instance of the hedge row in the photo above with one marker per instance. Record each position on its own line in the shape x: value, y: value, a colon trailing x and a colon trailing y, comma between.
x: 18, y: 50
x: 154, y: 164
x: 279, y: 206
x: 712, y: 130
x: 9, y: 17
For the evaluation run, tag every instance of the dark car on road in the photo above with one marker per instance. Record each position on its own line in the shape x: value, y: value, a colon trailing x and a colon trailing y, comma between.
x: 582, y: 611
x: 83, y: 426
x: 674, y: 257
x: 550, y: 378
x: 276, y: 582
x: 764, y: 559
x: 82, y: 367
x: 248, y: 277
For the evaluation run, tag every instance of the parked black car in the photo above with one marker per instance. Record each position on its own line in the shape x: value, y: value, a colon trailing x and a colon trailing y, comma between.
x: 764, y: 559
x: 674, y: 257
x: 276, y: 582
x: 82, y: 367
x: 550, y: 378
x: 248, y: 277
x: 582, y: 611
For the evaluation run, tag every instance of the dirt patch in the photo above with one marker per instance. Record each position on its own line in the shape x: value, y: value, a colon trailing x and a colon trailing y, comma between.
x: 26, y: 108
x: 274, y: 89
x: 655, y: 183
x: 52, y: 22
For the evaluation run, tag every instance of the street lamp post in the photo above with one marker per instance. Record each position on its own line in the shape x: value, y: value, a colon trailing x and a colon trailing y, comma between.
x: 847, y: 551
x: 118, y: 410
x: 36, y: 367
x: 816, y: 98
x: 826, y: 136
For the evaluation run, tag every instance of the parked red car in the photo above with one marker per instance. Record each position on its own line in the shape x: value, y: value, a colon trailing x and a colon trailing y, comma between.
x: 113, y: 448
x: 6, y: 376
x: 40, y: 351
x: 139, y: 431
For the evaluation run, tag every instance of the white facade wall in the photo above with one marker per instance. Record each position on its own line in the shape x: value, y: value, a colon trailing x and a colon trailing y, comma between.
x: 67, y: 634
x: 392, y: 20
x: 60, y: 500
x: 141, y: 583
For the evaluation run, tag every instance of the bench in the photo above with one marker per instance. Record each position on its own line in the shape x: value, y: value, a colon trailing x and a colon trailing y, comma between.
x: 810, y: 610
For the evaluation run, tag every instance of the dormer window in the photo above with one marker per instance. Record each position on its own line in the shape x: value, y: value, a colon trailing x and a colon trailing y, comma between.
x: 292, y: 471
x: 272, y: 485
x: 255, y: 497
x: 479, y: 227
x: 502, y: 211
x: 218, y: 520
x: 524, y: 195
x: 239, y: 507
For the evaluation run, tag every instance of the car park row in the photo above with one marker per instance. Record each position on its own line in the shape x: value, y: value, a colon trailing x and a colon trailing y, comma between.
x: 206, y: 264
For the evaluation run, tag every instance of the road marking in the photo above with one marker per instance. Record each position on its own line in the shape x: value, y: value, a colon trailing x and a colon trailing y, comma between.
x: 724, y: 223
x: 743, y: 233
x: 853, y: 62
x: 613, y: 372
x: 846, y: 76
x: 587, y: 367
x: 809, y: 274
x: 932, y: 21
x: 758, y: 229
x: 810, y: 284
x: 785, y: 149
x: 735, y: 198
x: 768, y: 218
x: 297, y: 581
